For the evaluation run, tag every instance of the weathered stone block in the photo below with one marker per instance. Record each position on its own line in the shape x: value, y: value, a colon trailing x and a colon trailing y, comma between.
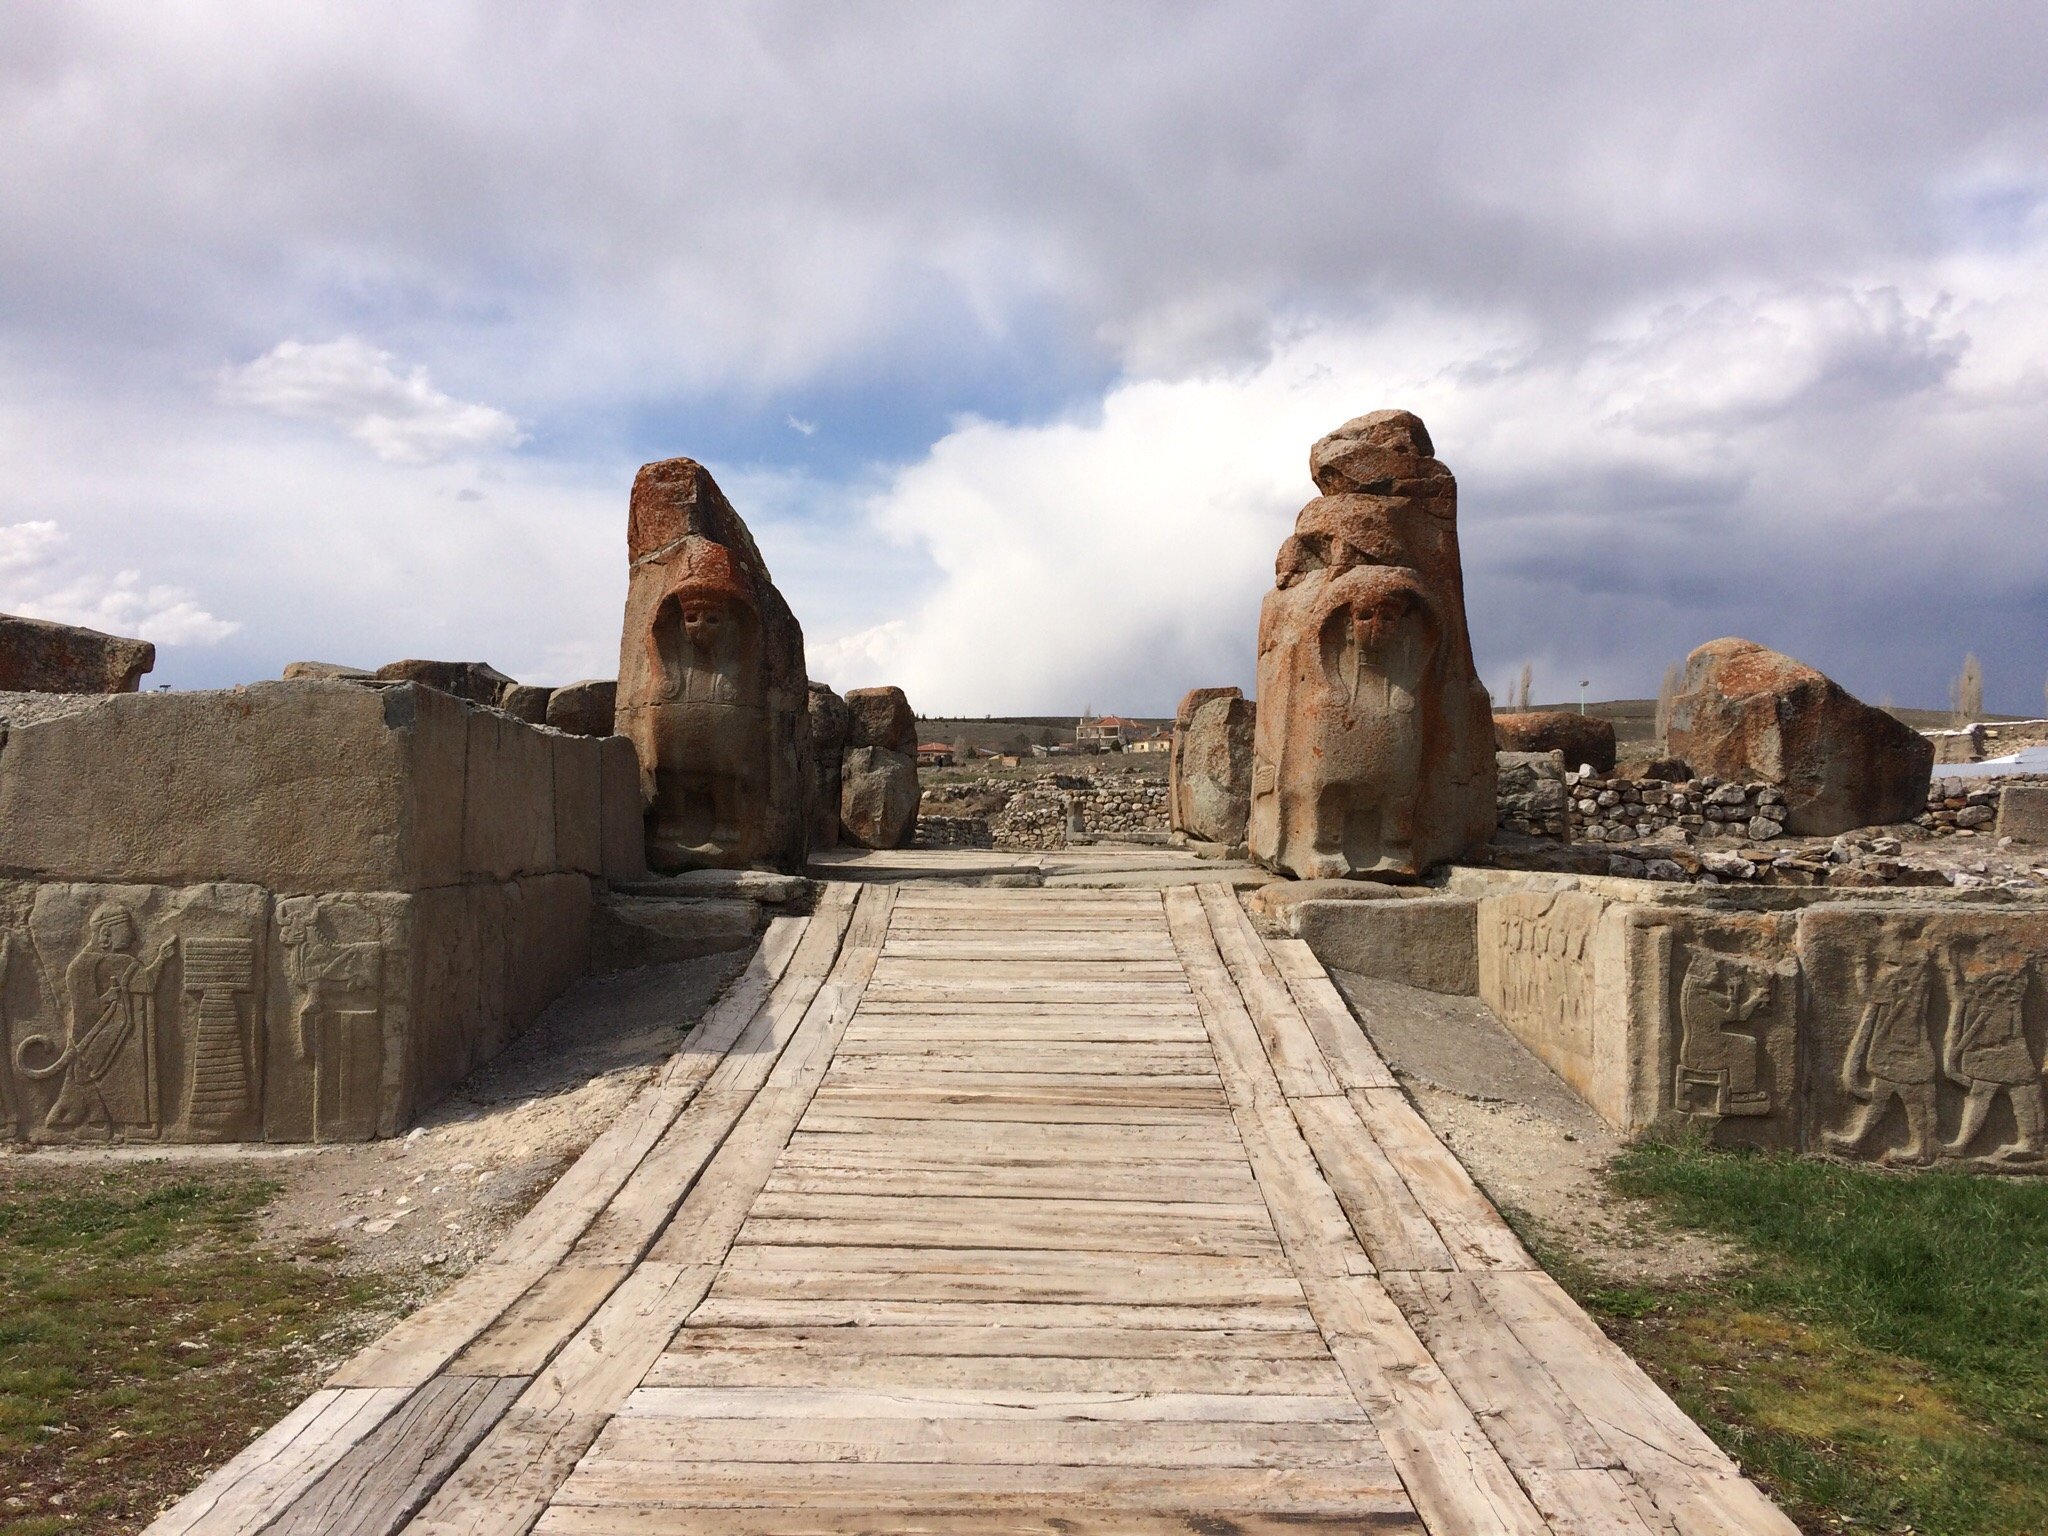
x: 878, y: 798
x: 526, y: 701
x: 476, y: 682
x: 624, y: 832
x: 587, y: 708
x: 579, y: 803
x: 1750, y: 715
x: 630, y: 931
x: 298, y: 787
x: 508, y: 811
x: 2023, y: 813
x: 1583, y: 739
x: 37, y: 656
x: 831, y: 726
x: 1209, y: 774
x: 881, y: 717
x: 1430, y: 942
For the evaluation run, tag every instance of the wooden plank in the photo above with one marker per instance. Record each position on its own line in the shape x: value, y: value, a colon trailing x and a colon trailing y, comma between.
x: 682, y: 1367
x: 1598, y: 1501
x: 841, y: 1110
x: 1175, y: 1443
x: 1063, y: 1342
x: 876, y: 1487
x: 970, y: 1213
x: 1175, y: 1183
x: 1471, y: 1228
x: 726, y: 1308
x: 1456, y: 1479
x: 526, y: 1337
x: 1296, y: 1060
x: 1114, y: 1234
x: 916, y: 1279
x: 388, y: 1474
x: 428, y: 1339
x: 1349, y: 1054
x: 819, y: 1404
x: 1157, y: 1270
x: 1383, y: 1211
x: 509, y: 1478
x: 260, y: 1483
x: 1209, y: 1136
x: 1063, y: 1519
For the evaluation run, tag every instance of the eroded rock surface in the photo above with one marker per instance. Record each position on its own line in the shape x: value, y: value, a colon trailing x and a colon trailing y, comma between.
x: 477, y: 681
x: 37, y: 656
x: 878, y: 798
x: 830, y: 723
x: 586, y: 708
x: 712, y: 689
x: 1374, y: 739
x: 1210, y: 771
x: 1749, y: 714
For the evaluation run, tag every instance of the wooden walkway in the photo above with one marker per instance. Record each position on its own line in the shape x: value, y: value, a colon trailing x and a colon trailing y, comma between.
x: 987, y: 1210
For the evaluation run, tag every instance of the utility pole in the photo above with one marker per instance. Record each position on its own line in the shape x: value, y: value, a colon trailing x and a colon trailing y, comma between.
x: 1583, y: 685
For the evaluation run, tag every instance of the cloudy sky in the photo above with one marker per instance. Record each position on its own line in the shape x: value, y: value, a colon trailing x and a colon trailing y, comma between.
x: 338, y: 330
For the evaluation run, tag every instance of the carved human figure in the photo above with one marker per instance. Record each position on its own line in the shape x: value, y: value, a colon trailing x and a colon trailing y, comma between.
x: 1720, y: 1065
x: 1985, y: 1051
x: 108, y: 1062
x: 338, y: 1032
x: 711, y: 726
x: 1373, y: 741
x: 1891, y: 1057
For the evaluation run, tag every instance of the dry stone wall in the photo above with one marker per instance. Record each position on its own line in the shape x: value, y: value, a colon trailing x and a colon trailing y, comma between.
x: 1046, y: 811
x: 298, y: 911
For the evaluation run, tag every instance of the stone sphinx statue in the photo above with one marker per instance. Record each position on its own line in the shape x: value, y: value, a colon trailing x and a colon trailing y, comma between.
x: 1373, y: 747
x: 712, y: 689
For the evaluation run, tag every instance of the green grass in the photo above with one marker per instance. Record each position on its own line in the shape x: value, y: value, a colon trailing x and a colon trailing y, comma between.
x: 1880, y: 1360
x: 144, y: 1337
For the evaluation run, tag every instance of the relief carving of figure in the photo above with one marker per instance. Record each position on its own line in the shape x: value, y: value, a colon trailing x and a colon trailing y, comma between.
x: 1986, y: 1053
x: 1720, y: 1064
x: 1891, y: 1056
x: 108, y: 1061
x: 339, y: 1024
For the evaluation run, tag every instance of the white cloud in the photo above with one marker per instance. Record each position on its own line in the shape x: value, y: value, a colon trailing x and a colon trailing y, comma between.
x: 38, y: 580
x: 357, y: 388
x: 1787, y: 464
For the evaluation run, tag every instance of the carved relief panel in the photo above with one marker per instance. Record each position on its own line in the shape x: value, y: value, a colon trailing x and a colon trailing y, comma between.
x: 131, y: 1012
x: 1926, y: 1035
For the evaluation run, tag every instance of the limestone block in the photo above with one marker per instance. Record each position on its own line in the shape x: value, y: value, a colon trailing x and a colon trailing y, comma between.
x: 547, y: 925
x: 299, y: 787
x: 1374, y: 737
x: 831, y: 724
x: 325, y: 671
x: 37, y: 656
x: 1581, y: 738
x: 508, y: 808
x: 632, y: 931
x: 449, y: 997
x: 1554, y: 969
x: 712, y: 688
x: 881, y: 717
x: 1210, y: 770
x: 586, y: 708
x: 1749, y: 715
x: 2023, y: 813
x: 624, y: 849
x: 475, y: 681
x: 1430, y: 942
x: 878, y: 798
x: 1272, y: 900
x: 526, y: 701
x: 1925, y: 1033
x: 579, y: 803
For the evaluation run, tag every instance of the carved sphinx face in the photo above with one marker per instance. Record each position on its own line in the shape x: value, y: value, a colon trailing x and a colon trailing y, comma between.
x: 1377, y: 626
x: 705, y: 623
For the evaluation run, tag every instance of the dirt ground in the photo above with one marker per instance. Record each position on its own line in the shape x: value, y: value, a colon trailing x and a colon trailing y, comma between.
x: 419, y: 1210
x: 1530, y: 1142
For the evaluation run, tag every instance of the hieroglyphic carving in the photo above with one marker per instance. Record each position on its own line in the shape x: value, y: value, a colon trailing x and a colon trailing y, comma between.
x: 107, y: 1067
x: 1985, y: 1050
x: 1891, y: 1056
x: 223, y: 1068
x: 337, y: 980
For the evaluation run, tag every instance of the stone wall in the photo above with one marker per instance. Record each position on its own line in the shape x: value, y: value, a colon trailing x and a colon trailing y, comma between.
x: 295, y: 911
x: 1965, y: 805
x: 1896, y: 1027
x: 1039, y: 812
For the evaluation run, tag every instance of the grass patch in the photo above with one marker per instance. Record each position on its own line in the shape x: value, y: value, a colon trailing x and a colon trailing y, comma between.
x: 144, y: 1338
x: 1882, y: 1359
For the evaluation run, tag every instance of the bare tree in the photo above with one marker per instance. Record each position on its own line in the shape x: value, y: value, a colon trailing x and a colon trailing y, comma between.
x: 963, y: 750
x: 1522, y: 686
x: 1966, y: 693
x: 1667, y: 695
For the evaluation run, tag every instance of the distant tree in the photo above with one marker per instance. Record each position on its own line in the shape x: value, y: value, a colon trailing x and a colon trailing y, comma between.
x: 1523, y: 684
x: 1667, y: 695
x: 1966, y: 693
x: 963, y: 750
